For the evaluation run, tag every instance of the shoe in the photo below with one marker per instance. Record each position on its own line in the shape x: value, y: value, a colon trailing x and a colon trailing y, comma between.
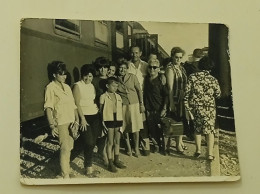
x: 136, y: 154
x: 112, y: 168
x: 164, y: 153
x: 211, y: 158
x: 146, y: 152
x: 167, y: 151
x: 196, y: 154
x: 156, y: 148
x: 129, y: 153
x: 180, y: 152
x: 119, y: 164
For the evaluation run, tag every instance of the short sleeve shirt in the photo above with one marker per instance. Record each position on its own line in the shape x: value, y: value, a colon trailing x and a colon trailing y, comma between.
x: 109, y: 105
x: 61, y: 102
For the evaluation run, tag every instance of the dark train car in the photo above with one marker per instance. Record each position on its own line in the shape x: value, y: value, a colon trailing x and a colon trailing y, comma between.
x: 74, y: 42
x: 44, y: 40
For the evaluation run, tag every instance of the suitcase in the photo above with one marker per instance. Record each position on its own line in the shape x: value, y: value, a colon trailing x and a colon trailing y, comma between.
x: 171, y: 127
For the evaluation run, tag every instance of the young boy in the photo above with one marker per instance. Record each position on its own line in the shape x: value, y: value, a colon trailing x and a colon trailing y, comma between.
x: 155, y: 101
x: 111, y: 109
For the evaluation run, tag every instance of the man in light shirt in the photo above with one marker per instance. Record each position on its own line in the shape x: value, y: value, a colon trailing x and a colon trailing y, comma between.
x: 139, y: 68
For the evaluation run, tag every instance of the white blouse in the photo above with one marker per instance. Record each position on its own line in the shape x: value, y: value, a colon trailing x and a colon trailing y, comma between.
x: 87, y: 97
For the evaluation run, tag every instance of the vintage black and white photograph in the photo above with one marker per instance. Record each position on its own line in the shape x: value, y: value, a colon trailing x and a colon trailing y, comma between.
x: 125, y: 102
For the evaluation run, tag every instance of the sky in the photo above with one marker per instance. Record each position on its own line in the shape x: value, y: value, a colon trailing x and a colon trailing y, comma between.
x: 185, y: 35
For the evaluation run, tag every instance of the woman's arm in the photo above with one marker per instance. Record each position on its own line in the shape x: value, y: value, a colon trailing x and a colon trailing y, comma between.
x: 186, y: 98
x: 217, y: 90
x: 48, y: 107
x: 52, y: 123
x: 139, y: 94
x: 170, y: 83
x: 76, y: 94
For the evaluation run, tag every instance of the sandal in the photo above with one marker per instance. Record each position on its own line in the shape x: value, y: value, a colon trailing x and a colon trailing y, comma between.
x: 180, y: 152
x: 184, y: 147
x: 211, y: 158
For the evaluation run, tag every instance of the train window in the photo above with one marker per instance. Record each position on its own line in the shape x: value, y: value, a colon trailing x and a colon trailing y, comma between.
x: 120, y: 35
x: 119, y: 40
x: 129, y: 30
x: 67, y: 28
x: 129, y: 33
x: 101, y: 32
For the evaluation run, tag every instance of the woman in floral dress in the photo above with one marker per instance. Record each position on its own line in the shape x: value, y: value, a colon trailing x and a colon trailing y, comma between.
x: 199, y: 100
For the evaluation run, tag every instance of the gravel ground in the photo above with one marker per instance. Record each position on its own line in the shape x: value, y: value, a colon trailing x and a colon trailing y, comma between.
x: 41, y: 160
x: 229, y: 164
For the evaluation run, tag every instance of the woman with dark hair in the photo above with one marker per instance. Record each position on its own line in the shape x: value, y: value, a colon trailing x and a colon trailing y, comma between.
x: 112, y: 69
x: 176, y: 82
x: 130, y: 91
x: 200, y: 93
x: 90, y: 121
x: 101, y: 64
x: 61, y: 112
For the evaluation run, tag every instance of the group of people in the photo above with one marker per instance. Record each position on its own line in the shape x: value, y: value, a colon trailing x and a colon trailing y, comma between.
x: 127, y: 99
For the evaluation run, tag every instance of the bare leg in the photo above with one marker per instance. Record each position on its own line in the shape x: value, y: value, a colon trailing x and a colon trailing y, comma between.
x: 129, y: 150
x: 198, y: 142
x: 136, y: 141
x: 178, y: 140
x: 210, y: 143
x: 110, y: 143
x: 168, y: 146
x: 105, y: 157
x: 117, y: 136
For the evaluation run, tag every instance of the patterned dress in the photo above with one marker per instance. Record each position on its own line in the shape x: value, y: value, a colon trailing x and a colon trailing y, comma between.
x: 200, y: 93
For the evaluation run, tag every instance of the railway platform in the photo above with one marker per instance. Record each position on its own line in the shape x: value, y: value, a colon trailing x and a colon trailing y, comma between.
x: 41, y: 161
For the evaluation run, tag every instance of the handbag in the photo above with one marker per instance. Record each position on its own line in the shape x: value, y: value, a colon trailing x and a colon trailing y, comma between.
x: 172, y: 125
x: 74, y: 130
